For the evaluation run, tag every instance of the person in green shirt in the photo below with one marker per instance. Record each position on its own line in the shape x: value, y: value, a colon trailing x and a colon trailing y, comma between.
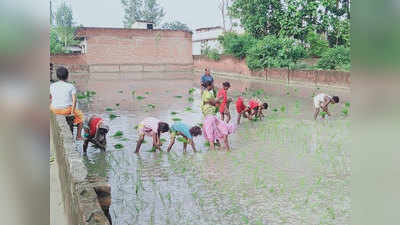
x: 208, y: 100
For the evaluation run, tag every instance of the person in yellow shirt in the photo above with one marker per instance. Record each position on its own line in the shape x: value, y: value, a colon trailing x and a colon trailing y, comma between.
x: 208, y: 100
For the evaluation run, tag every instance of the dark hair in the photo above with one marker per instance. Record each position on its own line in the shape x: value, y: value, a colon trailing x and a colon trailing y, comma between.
x: 207, y: 84
x: 335, y: 99
x: 195, y: 131
x: 226, y: 84
x: 265, y: 105
x: 163, y: 127
x: 62, y: 73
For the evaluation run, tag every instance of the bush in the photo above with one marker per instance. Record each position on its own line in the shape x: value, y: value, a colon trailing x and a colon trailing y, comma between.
x: 318, y: 46
x: 211, y: 53
x: 274, y: 52
x: 236, y: 45
x: 334, y: 58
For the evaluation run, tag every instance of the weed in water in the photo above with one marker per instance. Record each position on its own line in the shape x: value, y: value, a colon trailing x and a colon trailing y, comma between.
x: 191, y: 90
x: 178, y: 96
x: 112, y: 116
x: 174, y: 113
x: 109, y: 109
x: 176, y: 119
x: 118, y: 146
x: 140, y: 97
x: 190, y: 99
x: 118, y: 134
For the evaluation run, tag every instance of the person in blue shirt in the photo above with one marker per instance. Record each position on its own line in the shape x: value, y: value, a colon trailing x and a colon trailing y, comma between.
x: 183, y: 130
x: 206, y: 78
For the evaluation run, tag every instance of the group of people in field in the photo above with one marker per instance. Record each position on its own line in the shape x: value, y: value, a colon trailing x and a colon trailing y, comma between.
x: 214, y: 101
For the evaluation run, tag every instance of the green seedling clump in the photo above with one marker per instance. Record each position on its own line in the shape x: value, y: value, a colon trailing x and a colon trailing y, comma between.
x: 112, y: 116
x: 117, y: 104
x: 192, y: 90
x: 181, y: 139
x: 345, y: 111
x: 178, y: 96
x: 136, y: 127
x: 283, y: 108
x: 118, y: 146
x: 347, y: 104
x: 200, y: 124
x: 124, y: 139
x: 207, y: 144
x: 323, y: 114
x: 109, y: 109
x: 188, y: 109
x: 153, y: 149
x: 176, y: 119
x: 163, y: 140
x: 133, y: 92
x: 151, y: 106
x: 147, y: 93
x: 174, y: 113
x: 275, y: 110
x: 118, y: 134
x: 190, y: 99
x: 120, y: 91
x: 140, y: 97
x: 92, y: 92
x: 79, y: 96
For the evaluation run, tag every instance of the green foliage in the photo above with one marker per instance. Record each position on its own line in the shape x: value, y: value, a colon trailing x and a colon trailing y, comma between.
x: 109, y: 109
x: 181, y: 139
x: 188, y: 109
x: 118, y: 134
x: 178, y: 96
x: 274, y: 52
x: 112, y: 116
x: 236, y: 44
x: 190, y: 99
x: 136, y: 10
x: 176, y: 119
x: 175, y: 25
x: 192, y: 90
x: 345, y: 111
x: 151, y: 106
x: 211, y: 53
x: 347, y: 104
x: 335, y: 58
x: 140, y: 97
x: 153, y: 11
x: 118, y: 146
x: 174, y: 113
x: 318, y: 46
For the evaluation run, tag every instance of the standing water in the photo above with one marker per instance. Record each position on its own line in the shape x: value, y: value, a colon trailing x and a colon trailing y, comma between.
x: 286, y: 169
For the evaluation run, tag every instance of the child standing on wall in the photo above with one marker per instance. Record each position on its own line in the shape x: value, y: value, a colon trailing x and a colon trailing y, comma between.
x: 225, y: 101
x: 63, y: 100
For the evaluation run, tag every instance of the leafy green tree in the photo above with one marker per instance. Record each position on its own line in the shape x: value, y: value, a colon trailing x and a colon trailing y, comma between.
x: 133, y: 11
x: 56, y: 47
x: 175, y: 25
x: 153, y: 12
x: 274, y: 52
x: 335, y: 58
x: 236, y: 44
x: 64, y: 17
x: 317, y: 44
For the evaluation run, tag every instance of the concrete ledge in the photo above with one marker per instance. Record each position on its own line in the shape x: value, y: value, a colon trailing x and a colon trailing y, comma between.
x: 104, y: 68
x: 80, y: 199
x: 131, y: 68
x: 154, y: 68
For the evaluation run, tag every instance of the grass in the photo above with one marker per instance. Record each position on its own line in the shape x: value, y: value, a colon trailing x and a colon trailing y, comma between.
x: 113, y: 116
x: 190, y: 99
x: 79, y: 96
x: 109, y: 109
x: 283, y: 108
x: 174, y: 113
x: 188, y: 109
x: 176, y: 119
x: 118, y: 146
x: 191, y: 90
x: 345, y: 111
x: 147, y: 93
x: 347, y: 104
x: 117, y: 104
x: 181, y: 139
x: 140, y: 97
x: 118, y: 134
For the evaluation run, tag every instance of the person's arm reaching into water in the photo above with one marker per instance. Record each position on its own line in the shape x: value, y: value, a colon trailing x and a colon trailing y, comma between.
x: 192, y: 144
x: 171, y: 143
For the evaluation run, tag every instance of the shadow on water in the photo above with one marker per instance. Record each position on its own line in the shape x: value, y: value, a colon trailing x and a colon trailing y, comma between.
x: 286, y: 169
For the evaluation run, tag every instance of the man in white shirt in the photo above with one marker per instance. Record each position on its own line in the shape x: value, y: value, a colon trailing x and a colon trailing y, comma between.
x: 63, y: 99
x: 321, y: 101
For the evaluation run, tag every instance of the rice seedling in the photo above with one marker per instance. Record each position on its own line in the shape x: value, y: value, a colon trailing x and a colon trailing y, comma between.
x: 188, y: 109
x: 140, y: 97
x: 124, y: 139
x: 118, y: 134
x: 120, y: 91
x: 274, y: 110
x: 176, y: 119
x: 178, y: 96
x: 153, y: 149
x: 117, y: 104
x: 345, y: 111
x: 109, y: 109
x: 113, y: 116
x: 190, y: 99
x: 200, y: 124
x: 133, y: 92
x: 283, y: 108
x: 191, y: 90
x: 181, y: 139
x: 151, y: 106
x: 288, y: 93
x: 347, y: 104
x: 118, y: 146
x: 79, y: 96
x: 163, y: 140
x: 93, y: 93
x: 174, y: 113
x: 136, y: 127
x: 207, y: 144
x: 147, y: 93
x: 323, y: 114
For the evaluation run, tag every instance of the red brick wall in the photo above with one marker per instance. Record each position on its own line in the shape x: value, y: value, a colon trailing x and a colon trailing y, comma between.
x: 137, y: 46
x: 228, y: 64
x: 73, y: 62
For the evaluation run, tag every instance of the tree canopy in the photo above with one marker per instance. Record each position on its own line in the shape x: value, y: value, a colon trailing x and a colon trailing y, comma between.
x: 175, y: 25
x: 148, y: 10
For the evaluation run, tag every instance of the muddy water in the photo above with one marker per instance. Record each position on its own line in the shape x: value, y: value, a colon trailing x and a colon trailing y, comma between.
x: 287, y: 169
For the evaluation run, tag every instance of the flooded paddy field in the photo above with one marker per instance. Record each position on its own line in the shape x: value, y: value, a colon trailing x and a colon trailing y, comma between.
x: 286, y: 169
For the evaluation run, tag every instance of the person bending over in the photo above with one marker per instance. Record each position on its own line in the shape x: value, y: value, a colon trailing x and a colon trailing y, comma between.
x: 63, y: 100
x: 321, y: 101
x: 95, y: 132
x: 151, y: 127
x: 183, y: 130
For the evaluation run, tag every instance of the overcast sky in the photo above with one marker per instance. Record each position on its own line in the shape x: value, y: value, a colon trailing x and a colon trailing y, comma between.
x: 109, y: 13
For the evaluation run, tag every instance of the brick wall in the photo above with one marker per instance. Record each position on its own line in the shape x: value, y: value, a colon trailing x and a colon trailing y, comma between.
x: 231, y: 65
x: 73, y: 62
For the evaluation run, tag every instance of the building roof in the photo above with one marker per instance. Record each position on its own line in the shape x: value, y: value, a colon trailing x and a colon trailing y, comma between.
x: 115, y: 31
x: 208, y: 28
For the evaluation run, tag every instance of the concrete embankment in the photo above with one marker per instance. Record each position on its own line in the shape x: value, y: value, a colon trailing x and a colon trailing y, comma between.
x: 80, y: 199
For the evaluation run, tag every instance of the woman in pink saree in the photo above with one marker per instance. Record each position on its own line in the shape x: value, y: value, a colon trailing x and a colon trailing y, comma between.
x: 215, y: 129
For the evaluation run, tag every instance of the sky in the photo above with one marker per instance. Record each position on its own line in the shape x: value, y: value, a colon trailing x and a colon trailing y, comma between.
x: 109, y: 13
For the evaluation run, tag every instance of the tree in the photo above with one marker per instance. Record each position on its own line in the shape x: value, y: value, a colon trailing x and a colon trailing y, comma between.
x: 236, y: 44
x: 153, y: 12
x: 176, y: 25
x: 64, y: 17
x: 133, y: 11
